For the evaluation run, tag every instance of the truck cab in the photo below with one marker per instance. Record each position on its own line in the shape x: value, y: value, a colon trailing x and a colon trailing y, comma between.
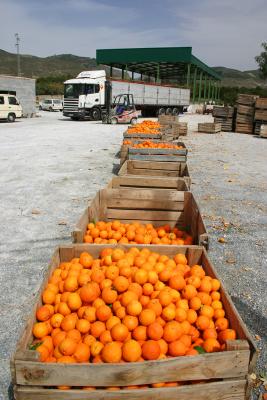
x: 10, y: 108
x: 84, y: 96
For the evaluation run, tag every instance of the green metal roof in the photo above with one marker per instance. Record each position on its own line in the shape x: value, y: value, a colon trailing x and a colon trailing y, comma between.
x: 170, y: 62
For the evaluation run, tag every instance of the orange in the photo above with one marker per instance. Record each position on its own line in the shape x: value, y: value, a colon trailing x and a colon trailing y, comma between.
x: 155, y: 305
x: 117, y: 254
x: 227, y: 334
x: 155, y: 331
x: 131, y: 351
x: 180, y: 259
x: 210, y: 345
x: 186, y: 340
x: 177, y: 282
x: 216, y: 305
x: 83, y: 326
x: 140, y: 333
x: 43, y: 352
x: 209, y: 333
x: 197, y: 270
x: 141, y: 276
x: 90, y: 314
x: 180, y: 315
x: 165, y: 298
x: 151, y: 350
x: 56, y: 320
x: 147, y: 317
x: 130, y: 321
x: 111, y: 352
x: 64, y: 309
x: 207, y: 310
x: 121, y: 283
x: 75, y: 335
x: 219, y: 313
x: 71, y: 284
x: 205, y: 298
x: 168, y: 313
x: 40, y: 329
x: 177, y: 348
x: 86, y: 260
x: 82, y: 353
x: 119, y: 332
x: 109, y: 295
x: 202, y: 322
x: 172, y: 331
x: 103, y: 313
x: 221, y: 324
x: 191, y: 316
x: 97, y: 275
x: 105, y: 337
x: 97, y: 328
x: 96, y: 348
x: 49, y: 297
x: 67, y: 347
x: 112, y: 271
x: 89, y: 339
x: 215, y: 283
x: 89, y: 292
x: 195, y: 303
x: 136, y: 288
x: 74, y: 301
x: 43, y: 313
x: 120, y: 312
x: 57, y: 339
x: 134, y: 308
x: 189, y: 291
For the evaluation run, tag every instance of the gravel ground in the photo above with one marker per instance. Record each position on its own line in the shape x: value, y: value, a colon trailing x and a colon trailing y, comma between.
x: 53, y: 166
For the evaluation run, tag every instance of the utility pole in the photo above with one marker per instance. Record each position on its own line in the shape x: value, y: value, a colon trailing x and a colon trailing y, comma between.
x: 18, y: 54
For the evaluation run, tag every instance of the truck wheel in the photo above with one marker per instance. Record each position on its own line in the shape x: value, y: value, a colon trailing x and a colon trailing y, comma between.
x: 114, y: 121
x: 175, y: 111
x: 50, y: 109
x: 161, y: 111
x: 75, y: 118
x: 96, y: 114
x: 11, y: 117
x: 169, y: 111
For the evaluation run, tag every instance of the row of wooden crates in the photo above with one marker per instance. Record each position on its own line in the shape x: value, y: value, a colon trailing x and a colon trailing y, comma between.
x: 150, y: 192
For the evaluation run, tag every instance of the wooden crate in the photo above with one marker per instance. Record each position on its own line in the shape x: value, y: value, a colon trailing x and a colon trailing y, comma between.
x: 179, y: 128
x: 125, y: 147
x: 209, y: 127
x: 157, y: 154
x: 166, y: 133
x: 168, y: 119
x: 178, y: 209
x: 222, y: 375
x: 260, y: 115
x: 147, y: 182
x: 244, y: 128
x: 156, y: 169
x: 261, y: 103
x: 263, y: 131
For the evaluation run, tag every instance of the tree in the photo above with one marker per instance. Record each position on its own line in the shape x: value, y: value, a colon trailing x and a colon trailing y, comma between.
x: 262, y: 60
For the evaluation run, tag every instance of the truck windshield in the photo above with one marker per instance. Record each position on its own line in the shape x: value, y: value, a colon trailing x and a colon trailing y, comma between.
x: 76, y: 89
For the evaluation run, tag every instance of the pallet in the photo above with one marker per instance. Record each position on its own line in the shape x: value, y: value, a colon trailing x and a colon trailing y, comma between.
x: 179, y: 155
x: 156, y: 169
x: 147, y: 182
x: 222, y: 375
x: 209, y: 127
x: 158, y: 207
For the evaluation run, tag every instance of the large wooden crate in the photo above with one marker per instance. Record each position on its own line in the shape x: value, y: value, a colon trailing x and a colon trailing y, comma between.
x: 178, y: 209
x: 223, y: 375
x: 158, y: 154
x: 156, y: 169
x: 209, y: 127
x: 125, y: 147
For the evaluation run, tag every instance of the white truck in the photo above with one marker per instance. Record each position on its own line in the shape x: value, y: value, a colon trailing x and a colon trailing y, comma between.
x: 10, y: 108
x: 86, y: 96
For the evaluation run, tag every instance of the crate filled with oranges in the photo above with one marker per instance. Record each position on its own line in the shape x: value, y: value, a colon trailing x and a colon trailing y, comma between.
x: 132, y: 323
x: 151, y: 150
x: 143, y: 216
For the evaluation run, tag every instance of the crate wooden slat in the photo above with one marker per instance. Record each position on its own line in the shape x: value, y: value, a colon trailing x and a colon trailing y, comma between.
x: 261, y: 115
x: 261, y: 103
x: 148, y: 182
x: 244, y: 128
x: 158, y: 154
x: 156, y: 168
x: 147, y: 206
x: 247, y: 99
x: 31, y: 376
x: 168, y: 119
x: 227, y: 390
x: 209, y: 127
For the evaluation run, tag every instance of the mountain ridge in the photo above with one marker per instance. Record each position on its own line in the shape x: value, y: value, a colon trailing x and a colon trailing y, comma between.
x: 70, y: 65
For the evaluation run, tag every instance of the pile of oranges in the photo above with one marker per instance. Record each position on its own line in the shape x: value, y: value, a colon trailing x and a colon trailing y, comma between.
x: 148, y: 144
x: 128, y: 306
x: 145, y: 127
x: 134, y: 233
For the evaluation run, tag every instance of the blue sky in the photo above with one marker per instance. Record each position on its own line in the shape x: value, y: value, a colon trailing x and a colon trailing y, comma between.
x: 227, y: 32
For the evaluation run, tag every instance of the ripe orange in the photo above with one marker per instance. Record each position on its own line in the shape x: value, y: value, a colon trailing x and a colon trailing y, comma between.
x: 177, y: 282
x: 130, y: 321
x: 86, y: 260
x: 105, y: 337
x: 151, y: 350
x: 134, y: 307
x: 75, y: 335
x: 89, y: 292
x: 131, y: 351
x: 140, y: 333
x: 221, y: 324
x: 147, y: 317
x: 74, y: 301
x: 67, y: 347
x: 56, y: 320
x: 109, y: 295
x: 155, y: 331
x: 43, y: 352
x: 155, y: 305
x: 210, y: 345
x: 40, y: 329
x: 82, y: 353
x: 119, y: 332
x: 121, y: 283
x: 103, y: 313
x: 127, y: 297
x: 83, y: 325
x: 111, y: 352
x: 202, y: 322
x: 97, y: 328
x: 189, y: 291
x: 172, y: 331
x: 90, y: 314
x: 227, y: 334
x: 177, y: 348
x: 43, y: 313
x: 113, y: 320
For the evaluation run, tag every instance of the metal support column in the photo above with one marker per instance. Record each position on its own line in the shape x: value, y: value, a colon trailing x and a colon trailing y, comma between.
x: 122, y: 73
x: 200, y: 87
x: 194, y: 84
x: 212, y: 90
x: 209, y: 90
x: 132, y: 75
x: 188, y: 80
x: 205, y: 88
x: 158, y: 74
x: 216, y: 91
x: 110, y: 71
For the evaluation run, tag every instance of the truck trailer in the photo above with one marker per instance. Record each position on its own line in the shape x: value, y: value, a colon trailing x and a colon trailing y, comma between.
x: 86, y: 96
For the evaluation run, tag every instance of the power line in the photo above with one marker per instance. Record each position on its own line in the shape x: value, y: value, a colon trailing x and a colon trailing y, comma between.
x: 18, y: 54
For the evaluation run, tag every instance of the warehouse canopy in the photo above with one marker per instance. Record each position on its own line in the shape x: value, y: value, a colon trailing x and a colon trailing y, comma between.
x: 161, y: 62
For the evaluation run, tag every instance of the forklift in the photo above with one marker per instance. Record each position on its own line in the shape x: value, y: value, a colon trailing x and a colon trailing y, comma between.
x: 121, y: 111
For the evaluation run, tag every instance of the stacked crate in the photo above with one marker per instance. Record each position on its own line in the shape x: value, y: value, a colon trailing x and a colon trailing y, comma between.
x: 209, y: 127
x: 173, y: 123
x: 224, y: 116
x: 260, y: 117
x: 245, y: 113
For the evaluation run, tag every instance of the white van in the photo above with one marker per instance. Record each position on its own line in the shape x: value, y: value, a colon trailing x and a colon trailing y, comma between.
x: 10, y: 108
x: 51, y: 105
